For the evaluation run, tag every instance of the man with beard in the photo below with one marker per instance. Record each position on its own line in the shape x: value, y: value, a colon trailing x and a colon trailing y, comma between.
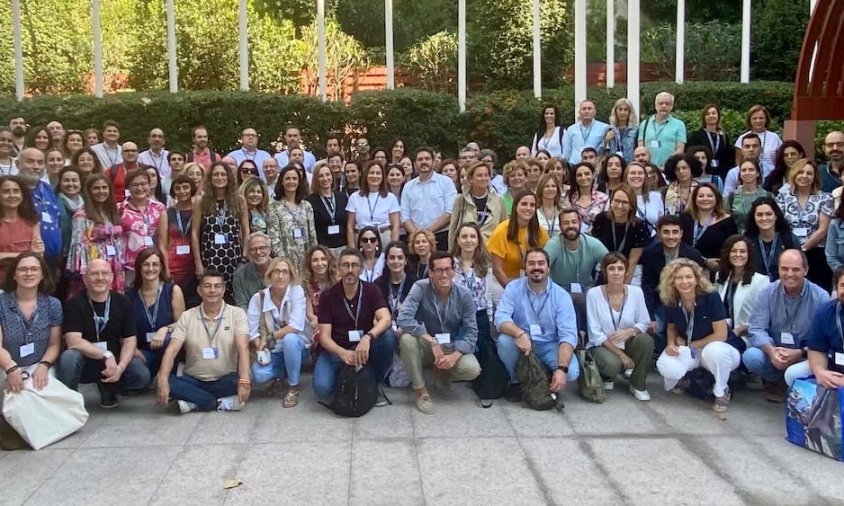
x: 831, y: 171
x: 427, y: 200
x: 572, y: 258
x: 751, y: 149
x: 109, y: 151
x: 201, y: 153
x: 18, y: 127
x: 249, y: 278
x: 31, y: 163
x: 293, y: 139
x: 536, y: 314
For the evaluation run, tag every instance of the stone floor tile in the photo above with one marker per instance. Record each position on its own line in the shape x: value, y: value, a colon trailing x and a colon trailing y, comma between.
x: 197, y: 474
x: 385, y: 472
x: 23, y: 472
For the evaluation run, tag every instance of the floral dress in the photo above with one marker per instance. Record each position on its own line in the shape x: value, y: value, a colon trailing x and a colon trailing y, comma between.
x: 92, y: 241
x: 292, y: 231
x: 590, y: 211
x: 257, y: 222
x: 804, y: 220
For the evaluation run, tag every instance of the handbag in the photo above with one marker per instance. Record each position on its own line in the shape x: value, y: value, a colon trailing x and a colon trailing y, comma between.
x: 42, y: 417
x: 590, y: 383
x: 813, y: 418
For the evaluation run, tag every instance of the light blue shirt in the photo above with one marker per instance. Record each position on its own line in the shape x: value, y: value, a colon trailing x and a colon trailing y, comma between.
x: 774, y: 313
x: 578, y: 137
x: 551, y: 309
x: 283, y: 159
x: 661, y: 137
x: 424, y: 202
x: 158, y: 161
x: 258, y: 156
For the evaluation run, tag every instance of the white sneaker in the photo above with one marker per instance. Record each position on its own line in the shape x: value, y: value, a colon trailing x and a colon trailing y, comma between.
x: 640, y: 395
x: 230, y: 403
x: 186, y: 407
x: 609, y: 385
x: 628, y: 373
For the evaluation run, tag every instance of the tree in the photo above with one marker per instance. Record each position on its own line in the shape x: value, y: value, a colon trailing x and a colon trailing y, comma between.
x: 434, y: 61
x: 343, y: 54
x: 413, y: 21
x: 777, y: 37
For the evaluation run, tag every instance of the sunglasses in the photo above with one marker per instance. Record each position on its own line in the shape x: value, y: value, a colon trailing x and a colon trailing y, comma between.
x: 369, y: 239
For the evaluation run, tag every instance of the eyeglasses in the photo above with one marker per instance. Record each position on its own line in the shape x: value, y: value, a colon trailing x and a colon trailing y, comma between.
x: 259, y: 249
x: 28, y: 270
x: 282, y: 272
x: 834, y: 144
x: 369, y: 239
x: 349, y: 266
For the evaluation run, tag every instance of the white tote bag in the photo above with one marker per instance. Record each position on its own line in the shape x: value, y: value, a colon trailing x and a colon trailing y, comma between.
x: 46, y: 416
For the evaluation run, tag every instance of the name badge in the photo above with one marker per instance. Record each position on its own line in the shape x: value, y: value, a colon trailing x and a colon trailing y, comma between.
x: 209, y: 353
x: 147, y: 241
x: 714, y: 163
x: 839, y: 358
x: 535, y: 330
x: 101, y: 345
x: 183, y: 249
x: 220, y: 239
x: 27, y: 350
x: 111, y: 250
x: 297, y: 233
x: 576, y: 288
x: 46, y: 218
x: 655, y: 144
x: 786, y: 338
x: 127, y: 194
x: 443, y: 337
x: 150, y: 336
x: 354, y: 336
x: 333, y: 229
x: 801, y: 231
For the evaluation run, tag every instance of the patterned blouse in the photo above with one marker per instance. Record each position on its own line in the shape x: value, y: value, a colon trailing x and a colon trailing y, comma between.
x: 590, y: 211
x: 18, y: 331
x: 804, y: 221
x: 291, y: 230
x: 475, y: 284
x: 92, y: 241
x: 140, y: 229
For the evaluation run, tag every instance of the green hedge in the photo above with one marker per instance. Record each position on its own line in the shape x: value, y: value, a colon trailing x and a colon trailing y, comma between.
x: 501, y: 120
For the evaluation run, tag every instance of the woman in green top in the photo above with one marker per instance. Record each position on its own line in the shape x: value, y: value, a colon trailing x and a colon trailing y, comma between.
x: 515, y: 177
x: 749, y: 190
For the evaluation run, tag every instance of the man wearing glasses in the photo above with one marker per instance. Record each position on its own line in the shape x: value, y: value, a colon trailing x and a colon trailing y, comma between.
x: 354, y: 328
x: 438, y: 319
x: 249, y: 277
x: 117, y: 174
x: 831, y: 171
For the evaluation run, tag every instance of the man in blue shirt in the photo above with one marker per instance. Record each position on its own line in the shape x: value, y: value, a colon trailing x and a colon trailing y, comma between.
x: 826, y: 340
x: 780, y: 323
x: 31, y: 163
x: 586, y: 133
x: 427, y: 200
x: 293, y: 139
x: 249, y: 151
x: 537, y: 314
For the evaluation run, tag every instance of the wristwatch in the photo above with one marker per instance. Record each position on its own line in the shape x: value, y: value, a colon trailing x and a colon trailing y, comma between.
x: 371, y: 335
x: 107, y: 355
x: 563, y: 368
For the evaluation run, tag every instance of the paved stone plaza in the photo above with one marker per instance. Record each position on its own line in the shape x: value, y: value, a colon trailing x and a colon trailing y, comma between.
x: 671, y: 450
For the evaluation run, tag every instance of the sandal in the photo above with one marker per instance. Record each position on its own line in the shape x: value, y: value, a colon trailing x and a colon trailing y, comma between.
x: 291, y: 400
x: 721, y: 403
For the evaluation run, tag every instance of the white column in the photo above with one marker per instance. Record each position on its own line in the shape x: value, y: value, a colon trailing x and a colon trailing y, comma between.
x: 633, y: 18
x: 745, y: 41
x: 388, y: 28
x: 610, y: 43
x: 322, y: 79
x: 461, y: 54
x: 537, y: 52
x: 680, y: 55
x: 173, y: 69
x: 98, y: 48
x: 579, y: 54
x: 812, y: 4
x: 18, y: 46
x: 243, y: 47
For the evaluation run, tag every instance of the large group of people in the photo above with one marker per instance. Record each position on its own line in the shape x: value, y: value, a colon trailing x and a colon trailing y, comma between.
x: 200, y: 275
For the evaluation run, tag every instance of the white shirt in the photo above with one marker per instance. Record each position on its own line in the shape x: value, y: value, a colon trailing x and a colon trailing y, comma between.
x: 551, y: 145
x: 602, y: 319
x: 371, y: 275
x: 651, y: 210
x: 108, y: 157
x: 159, y: 161
x: 290, y: 312
x: 422, y: 203
x: 373, y: 209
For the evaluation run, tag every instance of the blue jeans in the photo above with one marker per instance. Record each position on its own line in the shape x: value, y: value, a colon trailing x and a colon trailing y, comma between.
x: 380, y: 358
x: 75, y: 368
x: 758, y: 362
x: 509, y: 353
x: 203, y: 393
x: 286, y: 361
x: 153, y: 357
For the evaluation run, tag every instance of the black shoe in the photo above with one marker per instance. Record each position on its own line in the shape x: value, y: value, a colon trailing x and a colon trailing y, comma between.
x: 513, y: 393
x: 108, y: 399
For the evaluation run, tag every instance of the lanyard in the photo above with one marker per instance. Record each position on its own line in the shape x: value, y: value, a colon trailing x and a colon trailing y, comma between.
x: 100, y: 322
x: 395, y: 297
x: 542, y: 306
x: 221, y: 214
x: 699, y: 230
x: 147, y: 220
x: 183, y: 229
x: 445, y: 310
x: 28, y: 325
x: 421, y: 275
x: 615, y: 324
x: 372, y: 208
x: 152, y: 317
x: 212, y: 337
x: 469, y: 279
x: 717, y: 145
x: 156, y: 163
x: 690, y: 321
x: 330, y: 207
x: 294, y: 216
x: 788, y: 317
x: 357, y: 308
x: 552, y: 223
x: 768, y: 259
x: 623, y: 239
x: 656, y: 132
x: 585, y: 134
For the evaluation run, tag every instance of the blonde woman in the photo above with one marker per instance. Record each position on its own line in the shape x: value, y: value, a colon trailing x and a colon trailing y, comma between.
x: 624, y: 127
x: 257, y: 198
x: 477, y: 204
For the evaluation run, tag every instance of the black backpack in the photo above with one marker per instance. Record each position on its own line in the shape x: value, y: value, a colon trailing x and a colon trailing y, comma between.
x: 355, y: 392
x: 534, y: 383
x: 492, y: 381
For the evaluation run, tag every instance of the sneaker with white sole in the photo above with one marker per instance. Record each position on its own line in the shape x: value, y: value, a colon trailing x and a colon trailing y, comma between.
x: 609, y: 385
x: 628, y: 373
x: 230, y: 403
x: 640, y: 395
x: 186, y: 407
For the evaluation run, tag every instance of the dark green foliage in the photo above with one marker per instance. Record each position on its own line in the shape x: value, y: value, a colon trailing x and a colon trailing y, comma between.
x: 777, y: 37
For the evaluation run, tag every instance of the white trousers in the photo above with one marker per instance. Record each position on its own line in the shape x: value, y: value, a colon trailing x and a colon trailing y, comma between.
x: 717, y: 357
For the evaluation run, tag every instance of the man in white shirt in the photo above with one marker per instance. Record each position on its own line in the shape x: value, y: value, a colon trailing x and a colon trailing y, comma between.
x: 751, y: 149
x: 293, y: 139
x: 156, y: 156
x: 249, y: 150
x: 427, y: 200
x: 109, y: 151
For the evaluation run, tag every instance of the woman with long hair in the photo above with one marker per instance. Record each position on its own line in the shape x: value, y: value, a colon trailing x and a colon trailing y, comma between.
x: 218, y: 226
x: 611, y: 175
x: 621, y: 230
x: 512, y: 238
x: 809, y: 210
x: 451, y: 169
x: 549, y: 132
x: 38, y: 137
x: 618, y: 328
x: 584, y: 194
x: 7, y: 147
x: 291, y: 219
x: 549, y: 204
x: 703, y: 155
x: 395, y: 179
x: 712, y: 134
x: 409, y: 168
x: 257, y: 199
x: 422, y: 245
x: 758, y: 120
x: 351, y: 176
x: 379, y: 155
x: 87, y: 161
x: 247, y: 169
x: 397, y: 150
x: 706, y: 225
x: 54, y: 164
x: 477, y: 204
x: 320, y: 273
x: 624, y: 127
x: 789, y: 152
x: 515, y: 179
x: 179, y: 227
x: 649, y: 204
x: 768, y: 229
x: 156, y: 189
x: 471, y: 267
x: 20, y: 228
x: 696, y: 331
x: 739, y: 202
x: 73, y: 141
x: 395, y: 282
x: 96, y: 234
x: 681, y: 171
x: 196, y: 173
x: 738, y: 283
x: 329, y: 205
x: 369, y: 245
x: 143, y: 220
x: 69, y: 192
x: 373, y: 206
x: 157, y: 306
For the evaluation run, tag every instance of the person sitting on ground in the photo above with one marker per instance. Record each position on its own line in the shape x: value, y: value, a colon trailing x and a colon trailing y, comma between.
x: 535, y: 312
x: 276, y: 317
x: 825, y: 345
x: 214, y: 336
x: 438, y: 319
x: 100, y: 333
x: 780, y: 323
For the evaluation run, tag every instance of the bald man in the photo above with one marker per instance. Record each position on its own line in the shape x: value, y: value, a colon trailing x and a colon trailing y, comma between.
x: 117, y: 174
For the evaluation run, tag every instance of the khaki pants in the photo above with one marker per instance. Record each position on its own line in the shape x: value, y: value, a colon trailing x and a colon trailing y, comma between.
x: 639, y: 348
x: 416, y: 353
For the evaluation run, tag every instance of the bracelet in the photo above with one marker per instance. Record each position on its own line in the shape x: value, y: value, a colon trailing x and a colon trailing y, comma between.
x: 243, y: 381
x: 13, y: 369
x: 47, y: 363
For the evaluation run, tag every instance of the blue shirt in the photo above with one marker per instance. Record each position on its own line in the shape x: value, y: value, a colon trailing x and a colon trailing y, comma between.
x: 578, y: 137
x: 708, y: 308
x: 424, y: 202
x: 283, y: 159
x: 624, y: 142
x: 47, y: 208
x: 774, y: 313
x: 258, y: 156
x: 551, y: 309
x: 18, y: 332
x: 161, y: 317
x: 826, y: 335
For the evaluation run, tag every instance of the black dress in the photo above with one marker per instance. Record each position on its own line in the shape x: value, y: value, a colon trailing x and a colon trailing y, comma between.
x: 222, y: 256
x: 711, y: 238
x: 322, y: 218
x: 725, y: 154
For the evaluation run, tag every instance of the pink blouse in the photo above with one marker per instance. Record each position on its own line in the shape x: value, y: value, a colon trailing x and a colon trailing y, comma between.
x: 140, y: 229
